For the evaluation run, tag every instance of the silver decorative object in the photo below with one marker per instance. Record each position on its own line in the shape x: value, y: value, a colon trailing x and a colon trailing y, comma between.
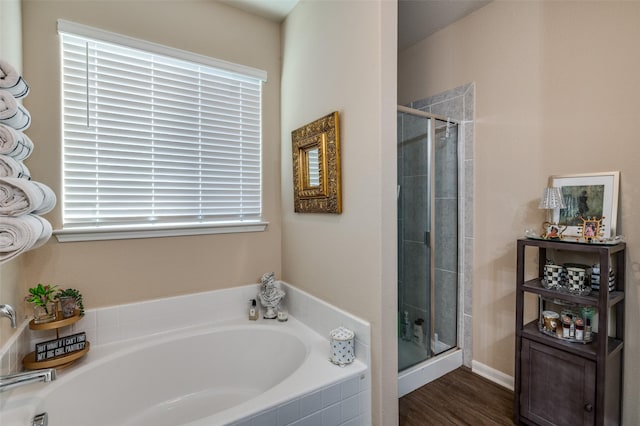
x: 270, y: 295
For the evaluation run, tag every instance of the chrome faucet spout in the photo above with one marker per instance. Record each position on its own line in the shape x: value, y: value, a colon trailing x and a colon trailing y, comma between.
x: 15, y: 380
x: 9, y: 312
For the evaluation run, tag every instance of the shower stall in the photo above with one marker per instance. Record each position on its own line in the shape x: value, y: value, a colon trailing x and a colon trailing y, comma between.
x: 428, y: 295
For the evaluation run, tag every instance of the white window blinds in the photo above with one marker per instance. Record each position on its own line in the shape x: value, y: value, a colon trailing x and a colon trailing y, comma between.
x: 150, y: 139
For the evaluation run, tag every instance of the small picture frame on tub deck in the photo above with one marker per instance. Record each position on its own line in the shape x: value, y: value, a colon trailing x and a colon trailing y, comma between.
x: 587, y: 195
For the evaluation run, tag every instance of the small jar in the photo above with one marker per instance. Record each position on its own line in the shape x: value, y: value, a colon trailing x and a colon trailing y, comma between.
x: 587, y: 330
x: 566, y: 327
x: 550, y: 320
x: 283, y: 314
x: 579, y: 323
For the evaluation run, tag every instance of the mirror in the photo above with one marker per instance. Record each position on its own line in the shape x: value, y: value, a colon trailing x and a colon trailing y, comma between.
x: 313, y: 166
x: 316, y: 166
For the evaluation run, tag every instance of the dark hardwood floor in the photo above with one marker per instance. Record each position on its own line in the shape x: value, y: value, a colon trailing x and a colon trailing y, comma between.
x: 458, y: 398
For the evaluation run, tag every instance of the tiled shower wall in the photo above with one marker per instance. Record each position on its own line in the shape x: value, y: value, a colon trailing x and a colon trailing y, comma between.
x: 457, y: 104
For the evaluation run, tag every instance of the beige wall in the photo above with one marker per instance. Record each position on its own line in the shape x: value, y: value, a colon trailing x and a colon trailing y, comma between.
x: 556, y: 93
x: 342, y: 56
x: 11, y: 51
x: 115, y: 272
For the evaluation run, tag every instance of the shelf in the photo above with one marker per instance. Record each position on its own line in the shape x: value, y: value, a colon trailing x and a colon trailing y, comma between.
x: 59, y: 322
x: 535, y: 286
x: 543, y: 359
x: 586, y: 350
x: 573, y: 246
x: 29, y: 361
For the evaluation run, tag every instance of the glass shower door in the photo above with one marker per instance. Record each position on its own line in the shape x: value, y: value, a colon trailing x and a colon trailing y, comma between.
x: 427, y: 237
x: 414, y: 258
x: 444, y: 226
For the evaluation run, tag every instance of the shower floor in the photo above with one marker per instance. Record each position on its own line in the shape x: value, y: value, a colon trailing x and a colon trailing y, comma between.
x: 410, y: 353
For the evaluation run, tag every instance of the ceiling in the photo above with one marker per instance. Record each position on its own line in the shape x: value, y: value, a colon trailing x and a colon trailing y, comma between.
x: 417, y: 19
x: 275, y: 10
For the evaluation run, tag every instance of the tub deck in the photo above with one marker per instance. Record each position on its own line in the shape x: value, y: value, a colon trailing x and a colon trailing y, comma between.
x: 227, y: 372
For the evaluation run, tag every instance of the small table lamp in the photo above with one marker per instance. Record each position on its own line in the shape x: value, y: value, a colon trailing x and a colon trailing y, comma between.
x: 552, y: 199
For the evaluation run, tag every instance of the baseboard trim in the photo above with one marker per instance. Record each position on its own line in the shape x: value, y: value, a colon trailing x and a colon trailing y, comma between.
x: 492, y: 374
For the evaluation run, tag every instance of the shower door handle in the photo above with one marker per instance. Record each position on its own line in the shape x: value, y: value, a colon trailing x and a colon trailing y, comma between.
x: 427, y: 238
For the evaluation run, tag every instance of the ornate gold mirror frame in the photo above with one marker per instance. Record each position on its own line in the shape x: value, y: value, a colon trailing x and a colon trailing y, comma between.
x: 316, y: 166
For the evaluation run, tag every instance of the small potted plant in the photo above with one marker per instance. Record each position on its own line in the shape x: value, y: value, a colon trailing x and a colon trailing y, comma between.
x: 44, y: 303
x: 70, y: 299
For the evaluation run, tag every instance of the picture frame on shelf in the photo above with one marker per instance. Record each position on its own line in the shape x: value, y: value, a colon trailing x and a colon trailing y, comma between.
x: 588, y: 196
x: 553, y: 231
x: 591, y: 228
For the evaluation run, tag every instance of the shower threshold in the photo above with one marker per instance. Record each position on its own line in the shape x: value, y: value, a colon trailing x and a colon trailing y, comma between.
x: 419, y: 375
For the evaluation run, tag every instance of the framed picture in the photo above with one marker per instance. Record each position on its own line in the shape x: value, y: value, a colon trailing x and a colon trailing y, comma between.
x: 591, y: 228
x: 588, y: 196
x: 553, y: 231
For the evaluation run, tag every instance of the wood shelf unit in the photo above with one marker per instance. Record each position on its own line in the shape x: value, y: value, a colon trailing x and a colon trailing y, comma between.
x: 562, y: 383
x: 29, y: 361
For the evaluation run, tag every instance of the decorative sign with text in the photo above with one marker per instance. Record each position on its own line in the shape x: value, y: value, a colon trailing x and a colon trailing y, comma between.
x: 61, y: 346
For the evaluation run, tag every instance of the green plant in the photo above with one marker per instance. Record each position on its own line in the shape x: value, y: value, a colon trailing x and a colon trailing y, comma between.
x: 41, y: 295
x: 72, y: 292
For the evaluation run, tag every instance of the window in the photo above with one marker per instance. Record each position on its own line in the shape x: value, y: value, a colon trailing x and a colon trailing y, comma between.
x: 156, y: 139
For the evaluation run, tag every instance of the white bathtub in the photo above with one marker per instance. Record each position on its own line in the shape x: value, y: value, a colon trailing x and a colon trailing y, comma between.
x: 238, y: 372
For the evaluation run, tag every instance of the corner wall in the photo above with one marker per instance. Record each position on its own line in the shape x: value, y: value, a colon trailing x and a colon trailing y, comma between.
x: 556, y: 93
x: 342, y: 56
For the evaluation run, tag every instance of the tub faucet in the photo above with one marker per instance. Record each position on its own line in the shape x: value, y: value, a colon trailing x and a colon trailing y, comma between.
x: 15, y: 380
x: 9, y: 312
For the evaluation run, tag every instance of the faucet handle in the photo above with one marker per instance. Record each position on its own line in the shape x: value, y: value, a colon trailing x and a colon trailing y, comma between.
x: 9, y: 312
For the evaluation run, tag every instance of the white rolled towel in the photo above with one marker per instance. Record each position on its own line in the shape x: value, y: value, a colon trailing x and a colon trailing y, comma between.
x: 21, y: 234
x: 45, y: 234
x: 49, y: 200
x: 21, y: 196
x: 12, y: 113
x: 10, y: 167
x: 14, y: 143
x: 12, y: 81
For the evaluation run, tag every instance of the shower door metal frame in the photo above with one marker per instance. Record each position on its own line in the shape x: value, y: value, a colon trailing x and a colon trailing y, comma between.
x: 429, y: 238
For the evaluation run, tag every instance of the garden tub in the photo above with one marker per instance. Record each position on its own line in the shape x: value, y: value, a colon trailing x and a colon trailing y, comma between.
x: 225, y: 373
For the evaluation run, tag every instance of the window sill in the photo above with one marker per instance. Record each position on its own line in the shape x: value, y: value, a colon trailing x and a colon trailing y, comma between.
x: 126, y: 233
